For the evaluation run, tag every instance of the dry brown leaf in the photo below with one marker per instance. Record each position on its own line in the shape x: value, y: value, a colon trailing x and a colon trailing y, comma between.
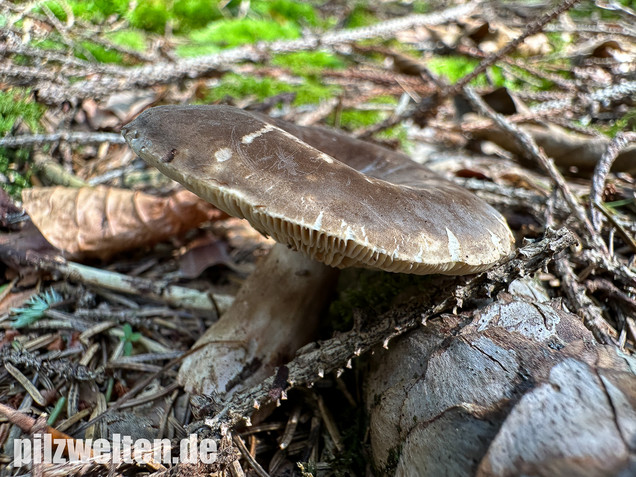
x: 102, y: 221
x: 205, y: 252
x: 568, y: 149
x: 16, y: 300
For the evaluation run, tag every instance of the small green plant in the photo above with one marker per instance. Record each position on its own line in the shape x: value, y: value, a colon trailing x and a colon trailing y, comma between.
x: 34, y: 309
x: 129, y: 338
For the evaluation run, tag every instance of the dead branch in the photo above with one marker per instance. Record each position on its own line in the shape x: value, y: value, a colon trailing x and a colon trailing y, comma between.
x: 66, y: 136
x: 313, y: 361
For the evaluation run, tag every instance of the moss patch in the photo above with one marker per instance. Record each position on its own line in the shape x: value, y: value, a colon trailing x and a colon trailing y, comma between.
x: 235, y: 86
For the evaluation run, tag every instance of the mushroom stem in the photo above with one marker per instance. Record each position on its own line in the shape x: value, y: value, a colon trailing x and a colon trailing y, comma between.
x: 275, y: 312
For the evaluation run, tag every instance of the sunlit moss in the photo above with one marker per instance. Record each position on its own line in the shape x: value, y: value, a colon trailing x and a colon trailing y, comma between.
x: 150, y: 15
x: 308, y: 62
x: 133, y: 39
x: 17, y: 105
x: 236, y: 86
x: 294, y: 11
x: 194, y: 14
x: 360, y: 16
x: 236, y: 32
x: 100, y: 53
x: 455, y: 68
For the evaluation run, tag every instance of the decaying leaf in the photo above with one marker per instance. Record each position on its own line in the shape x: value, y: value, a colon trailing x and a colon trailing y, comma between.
x: 205, y: 252
x: 492, y: 36
x: 102, y: 221
x: 568, y: 149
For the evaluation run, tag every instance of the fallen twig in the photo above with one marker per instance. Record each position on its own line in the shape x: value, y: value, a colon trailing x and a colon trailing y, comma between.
x: 591, y: 240
x: 66, y: 136
x: 329, y: 355
x: 601, y: 171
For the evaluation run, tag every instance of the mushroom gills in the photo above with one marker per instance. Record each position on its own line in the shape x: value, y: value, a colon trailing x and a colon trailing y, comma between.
x: 398, y: 216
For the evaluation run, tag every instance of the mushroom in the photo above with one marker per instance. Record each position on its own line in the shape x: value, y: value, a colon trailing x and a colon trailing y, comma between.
x: 334, y: 199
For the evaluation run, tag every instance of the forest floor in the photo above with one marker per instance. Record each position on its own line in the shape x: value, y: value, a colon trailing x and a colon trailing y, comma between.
x: 529, y: 106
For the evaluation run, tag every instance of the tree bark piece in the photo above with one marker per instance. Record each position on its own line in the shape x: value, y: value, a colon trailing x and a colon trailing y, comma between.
x: 522, y: 388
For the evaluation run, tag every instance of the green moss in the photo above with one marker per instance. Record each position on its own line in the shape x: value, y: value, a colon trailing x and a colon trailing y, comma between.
x: 454, y: 68
x: 100, y: 53
x: 371, y: 290
x: 50, y: 44
x: 313, y: 92
x: 236, y: 86
x: 525, y: 78
x: 95, y: 11
x: 194, y: 14
x: 558, y: 41
x: 360, y: 16
x: 399, y: 132
x: 235, y: 32
x: 626, y: 123
x: 230, y: 33
x: 301, y: 13
x: 129, y: 38
x: 308, y: 62
x: 55, y: 7
x: 18, y: 178
x: 421, y: 7
x: 352, y: 119
x: 17, y: 104
x: 99, y: 10
x: 192, y: 51
x: 150, y: 15
x: 393, y: 460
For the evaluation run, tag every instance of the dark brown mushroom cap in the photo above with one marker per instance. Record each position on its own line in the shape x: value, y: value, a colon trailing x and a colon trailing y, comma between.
x: 395, y: 215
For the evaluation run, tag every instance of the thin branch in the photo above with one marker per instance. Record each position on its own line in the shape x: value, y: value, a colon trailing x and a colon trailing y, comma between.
x: 189, y: 68
x: 66, y: 136
x: 532, y: 29
x: 601, y: 171
x: 591, y: 240
x: 332, y: 354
